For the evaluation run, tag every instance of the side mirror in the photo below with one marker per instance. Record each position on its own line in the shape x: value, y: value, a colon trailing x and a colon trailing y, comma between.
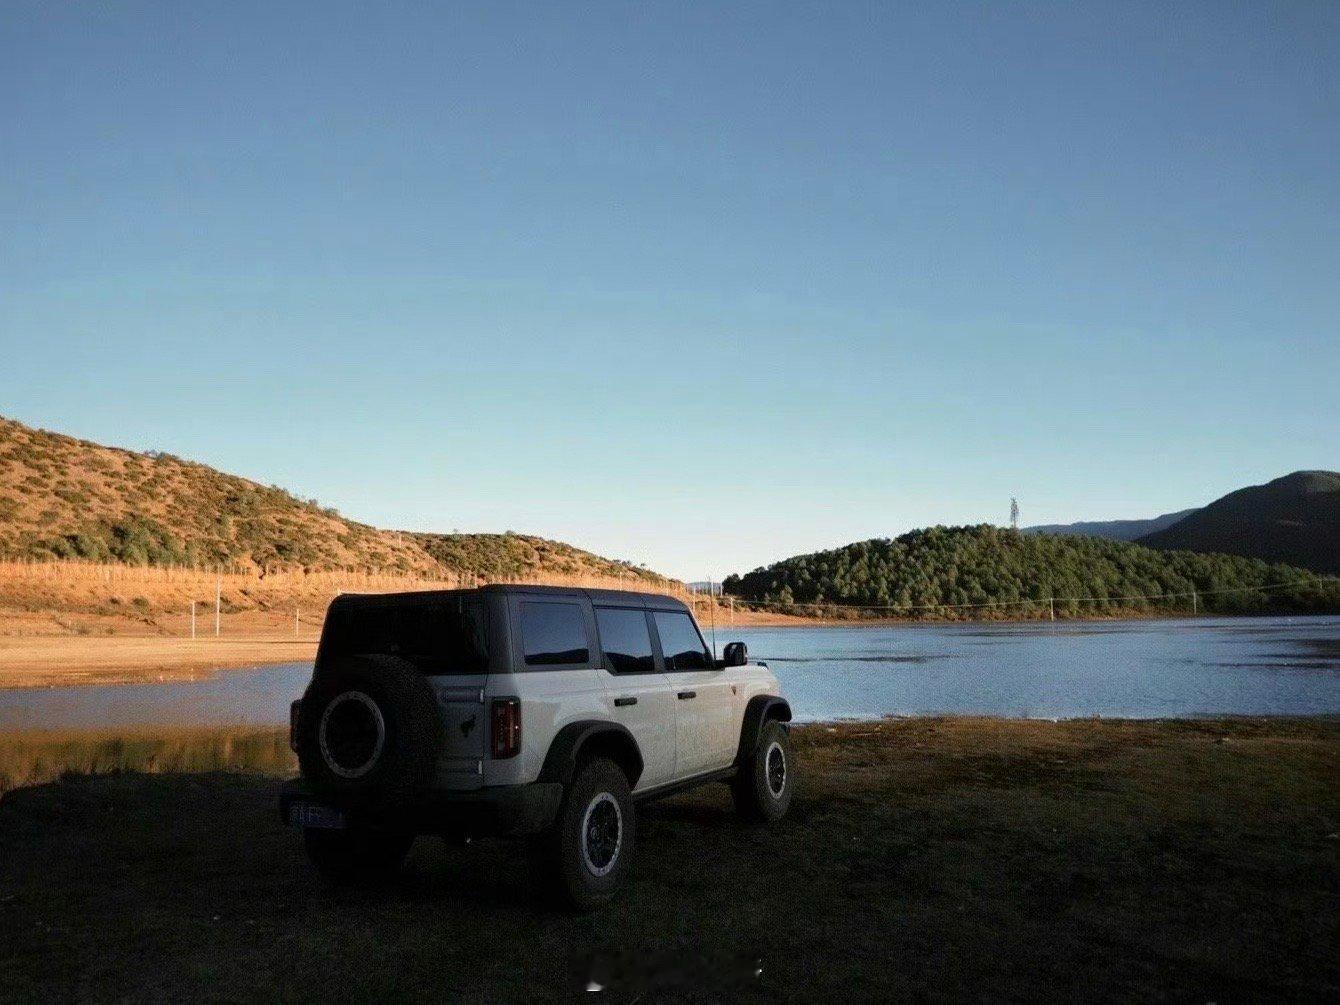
x: 736, y: 654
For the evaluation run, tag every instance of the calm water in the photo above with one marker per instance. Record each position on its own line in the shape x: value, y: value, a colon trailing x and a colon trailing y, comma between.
x: 1144, y: 669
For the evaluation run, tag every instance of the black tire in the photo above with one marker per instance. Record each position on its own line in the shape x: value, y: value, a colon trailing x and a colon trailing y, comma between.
x: 585, y: 857
x: 356, y: 855
x: 369, y: 732
x: 766, y: 780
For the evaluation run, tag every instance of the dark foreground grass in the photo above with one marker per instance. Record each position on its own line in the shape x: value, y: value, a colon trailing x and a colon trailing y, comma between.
x: 30, y: 757
x: 940, y: 859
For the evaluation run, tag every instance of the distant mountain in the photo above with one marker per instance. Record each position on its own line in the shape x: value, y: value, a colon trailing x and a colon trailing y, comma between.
x: 66, y: 498
x: 1294, y: 519
x: 1112, y: 530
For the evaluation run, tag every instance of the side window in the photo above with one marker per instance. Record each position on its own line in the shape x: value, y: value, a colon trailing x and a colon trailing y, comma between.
x: 681, y: 645
x: 625, y: 639
x: 553, y: 633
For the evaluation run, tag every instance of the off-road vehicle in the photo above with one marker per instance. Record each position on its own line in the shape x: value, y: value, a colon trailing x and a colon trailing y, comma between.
x: 523, y: 710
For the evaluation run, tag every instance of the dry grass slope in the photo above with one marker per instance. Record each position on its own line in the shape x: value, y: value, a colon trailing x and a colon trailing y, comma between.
x: 64, y: 498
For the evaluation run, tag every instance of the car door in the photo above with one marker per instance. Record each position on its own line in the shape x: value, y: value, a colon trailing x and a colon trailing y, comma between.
x: 447, y: 640
x: 638, y: 692
x: 703, y: 698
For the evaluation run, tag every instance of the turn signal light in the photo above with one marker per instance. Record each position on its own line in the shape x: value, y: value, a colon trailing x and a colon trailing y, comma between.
x: 506, y: 728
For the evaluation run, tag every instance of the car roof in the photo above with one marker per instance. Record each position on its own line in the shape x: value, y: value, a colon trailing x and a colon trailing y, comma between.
x: 625, y: 598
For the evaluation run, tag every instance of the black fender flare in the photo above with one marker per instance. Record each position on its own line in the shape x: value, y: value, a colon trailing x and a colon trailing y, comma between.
x: 565, y: 750
x: 761, y: 708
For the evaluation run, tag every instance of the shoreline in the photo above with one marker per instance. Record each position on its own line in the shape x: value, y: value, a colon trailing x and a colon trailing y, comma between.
x: 32, y: 662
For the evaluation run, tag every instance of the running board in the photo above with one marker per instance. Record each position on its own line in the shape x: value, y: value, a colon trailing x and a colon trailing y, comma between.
x: 673, y: 788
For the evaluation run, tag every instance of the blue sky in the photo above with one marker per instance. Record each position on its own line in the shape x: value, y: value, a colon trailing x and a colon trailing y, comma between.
x: 697, y: 288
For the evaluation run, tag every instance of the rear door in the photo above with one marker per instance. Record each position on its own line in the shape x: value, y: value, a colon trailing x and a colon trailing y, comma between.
x: 555, y: 672
x: 460, y: 692
x: 638, y: 692
x: 703, y: 698
x: 445, y: 637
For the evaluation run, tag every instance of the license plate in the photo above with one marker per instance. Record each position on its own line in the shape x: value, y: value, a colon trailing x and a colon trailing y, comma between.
x: 312, y: 815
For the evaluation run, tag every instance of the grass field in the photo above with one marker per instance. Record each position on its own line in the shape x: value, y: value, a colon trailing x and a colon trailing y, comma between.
x: 931, y: 858
x: 33, y: 757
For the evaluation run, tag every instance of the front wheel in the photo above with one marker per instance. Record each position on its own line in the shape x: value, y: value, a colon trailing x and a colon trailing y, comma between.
x: 766, y: 780
x: 356, y: 854
x: 585, y: 856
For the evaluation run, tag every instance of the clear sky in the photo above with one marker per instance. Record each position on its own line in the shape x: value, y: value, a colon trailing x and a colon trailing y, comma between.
x: 697, y: 288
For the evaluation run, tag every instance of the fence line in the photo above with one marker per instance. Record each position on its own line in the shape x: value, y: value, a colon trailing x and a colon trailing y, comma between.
x: 75, y: 571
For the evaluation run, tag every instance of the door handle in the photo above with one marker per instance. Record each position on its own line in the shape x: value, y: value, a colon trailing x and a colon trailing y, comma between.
x: 687, y: 694
x: 621, y: 702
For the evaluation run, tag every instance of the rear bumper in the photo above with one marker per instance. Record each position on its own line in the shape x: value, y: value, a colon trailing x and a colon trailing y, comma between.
x: 500, y: 810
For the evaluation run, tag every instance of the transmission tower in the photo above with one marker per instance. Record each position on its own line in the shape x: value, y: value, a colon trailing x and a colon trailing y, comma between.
x: 1014, y: 514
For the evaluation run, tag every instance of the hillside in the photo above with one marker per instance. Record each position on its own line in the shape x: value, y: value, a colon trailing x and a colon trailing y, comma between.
x: 1294, y: 519
x: 61, y: 497
x: 1113, y: 530
x: 951, y: 568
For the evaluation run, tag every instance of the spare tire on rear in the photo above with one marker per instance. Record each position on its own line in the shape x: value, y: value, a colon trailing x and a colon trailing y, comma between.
x: 369, y: 732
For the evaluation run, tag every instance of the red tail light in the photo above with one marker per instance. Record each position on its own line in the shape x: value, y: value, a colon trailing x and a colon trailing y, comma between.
x: 506, y: 728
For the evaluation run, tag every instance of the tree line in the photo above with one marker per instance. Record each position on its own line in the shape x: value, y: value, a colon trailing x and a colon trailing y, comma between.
x: 956, y: 572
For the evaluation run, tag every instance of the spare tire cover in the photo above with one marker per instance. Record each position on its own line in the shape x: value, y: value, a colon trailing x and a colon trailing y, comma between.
x: 369, y: 731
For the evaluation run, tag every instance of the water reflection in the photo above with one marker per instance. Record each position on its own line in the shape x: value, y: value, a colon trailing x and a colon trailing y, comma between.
x: 1142, y: 669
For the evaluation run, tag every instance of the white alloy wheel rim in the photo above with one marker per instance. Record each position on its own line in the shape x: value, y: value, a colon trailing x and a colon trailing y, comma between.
x: 774, y: 767
x: 602, y: 834
x: 335, y: 749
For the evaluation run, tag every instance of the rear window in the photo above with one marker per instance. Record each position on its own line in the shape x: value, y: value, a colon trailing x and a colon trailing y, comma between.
x: 439, y: 637
x: 553, y: 634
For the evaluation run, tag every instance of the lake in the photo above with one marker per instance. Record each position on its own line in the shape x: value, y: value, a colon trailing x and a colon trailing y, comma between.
x: 1135, y: 669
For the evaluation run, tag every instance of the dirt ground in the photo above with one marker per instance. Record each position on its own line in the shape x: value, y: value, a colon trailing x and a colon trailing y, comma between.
x: 941, y: 859
x: 50, y: 661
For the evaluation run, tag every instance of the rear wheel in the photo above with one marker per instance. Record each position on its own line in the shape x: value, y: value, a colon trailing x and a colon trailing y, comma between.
x: 585, y: 857
x: 766, y: 780
x: 356, y: 854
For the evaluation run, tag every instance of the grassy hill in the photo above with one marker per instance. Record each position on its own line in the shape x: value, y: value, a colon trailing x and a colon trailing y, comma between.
x: 61, y: 497
x: 1294, y: 519
x: 953, y: 567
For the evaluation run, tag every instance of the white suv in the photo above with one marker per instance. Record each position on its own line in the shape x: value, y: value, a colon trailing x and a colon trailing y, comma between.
x: 527, y: 710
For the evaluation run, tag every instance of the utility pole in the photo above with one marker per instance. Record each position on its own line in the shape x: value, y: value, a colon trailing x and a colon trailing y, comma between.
x: 712, y: 613
x: 1051, y: 605
x: 1195, y: 607
x: 218, y: 604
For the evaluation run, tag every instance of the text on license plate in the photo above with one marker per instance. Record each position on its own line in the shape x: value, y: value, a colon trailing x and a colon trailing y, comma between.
x: 311, y: 815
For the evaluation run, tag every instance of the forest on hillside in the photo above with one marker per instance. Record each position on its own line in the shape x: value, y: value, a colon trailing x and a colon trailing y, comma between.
x: 988, y: 571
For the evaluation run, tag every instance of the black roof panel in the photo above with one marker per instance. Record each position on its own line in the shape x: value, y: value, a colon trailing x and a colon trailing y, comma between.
x: 633, y: 598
